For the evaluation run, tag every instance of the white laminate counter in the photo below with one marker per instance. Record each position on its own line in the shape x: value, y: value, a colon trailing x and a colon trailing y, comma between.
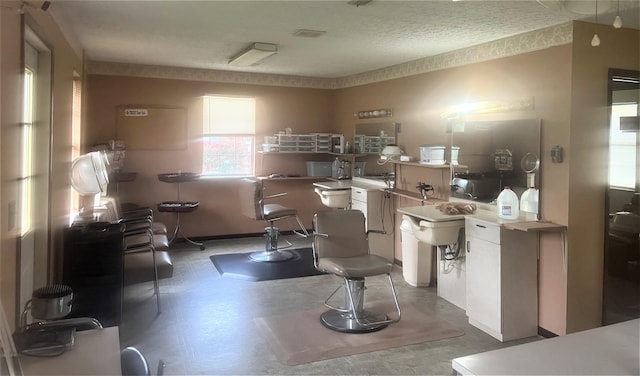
x: 362, y: 183
x: 95, y: 352
x: 432, y: 214
x: 608, y: 350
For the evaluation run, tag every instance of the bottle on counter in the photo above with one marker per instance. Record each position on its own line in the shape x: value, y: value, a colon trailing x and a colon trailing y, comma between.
x: 529, y: 202
x: 335, y: 168
x: 508, y: 204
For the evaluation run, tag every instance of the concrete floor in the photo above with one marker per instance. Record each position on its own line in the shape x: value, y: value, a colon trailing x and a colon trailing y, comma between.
x: 206, y: 324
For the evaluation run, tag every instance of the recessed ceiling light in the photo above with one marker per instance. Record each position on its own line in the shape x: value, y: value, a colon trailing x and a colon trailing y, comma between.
x: 306, y: 33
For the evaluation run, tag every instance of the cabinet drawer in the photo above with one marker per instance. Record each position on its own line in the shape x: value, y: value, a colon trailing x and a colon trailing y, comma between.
x: 482, y: 230
x: 359, y: 194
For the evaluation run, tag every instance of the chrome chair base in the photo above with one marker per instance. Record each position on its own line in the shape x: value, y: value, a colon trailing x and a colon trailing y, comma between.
x: 271, y: 252
x: 346, y: 323
x: 271, y: 256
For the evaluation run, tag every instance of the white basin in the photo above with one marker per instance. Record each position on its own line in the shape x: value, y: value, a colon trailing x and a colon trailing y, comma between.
x: 435, y: 233
x: 334, y: 198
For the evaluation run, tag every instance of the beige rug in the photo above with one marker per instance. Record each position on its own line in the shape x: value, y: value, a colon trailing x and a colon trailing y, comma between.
x: 299, y: 337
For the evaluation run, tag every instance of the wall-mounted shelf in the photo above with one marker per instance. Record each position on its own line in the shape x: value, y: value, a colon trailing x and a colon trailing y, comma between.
x: 314, y: 178
x: 418, y: 164
x: 289, y: 152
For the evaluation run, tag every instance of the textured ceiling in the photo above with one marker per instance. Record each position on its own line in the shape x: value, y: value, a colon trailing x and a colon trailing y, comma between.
x: 205, y: 34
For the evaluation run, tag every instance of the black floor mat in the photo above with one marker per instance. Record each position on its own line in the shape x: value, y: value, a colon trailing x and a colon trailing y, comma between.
x: 239, y: 265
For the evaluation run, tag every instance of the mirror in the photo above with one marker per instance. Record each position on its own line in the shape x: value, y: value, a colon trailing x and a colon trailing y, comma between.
x: 621, y: 293
x: 494, y: 154
x: 370, y: 139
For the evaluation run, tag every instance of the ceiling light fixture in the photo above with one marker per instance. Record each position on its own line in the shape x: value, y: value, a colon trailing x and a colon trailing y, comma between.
x: 617, y: 22
x: 357, y: 3
x: 254, y: 54
x: 595, y: 41
x: 308, y: 33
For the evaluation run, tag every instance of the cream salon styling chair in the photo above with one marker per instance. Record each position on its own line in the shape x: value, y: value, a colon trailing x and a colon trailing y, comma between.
x: 252, y: 205
x: 341, y: 247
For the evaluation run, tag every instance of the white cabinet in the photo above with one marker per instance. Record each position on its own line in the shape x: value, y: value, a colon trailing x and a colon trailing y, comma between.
x: 502, y: 286
x: 377, y: 211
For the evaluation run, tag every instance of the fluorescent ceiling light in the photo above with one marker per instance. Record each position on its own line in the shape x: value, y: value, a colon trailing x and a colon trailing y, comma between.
x: 255, y: 53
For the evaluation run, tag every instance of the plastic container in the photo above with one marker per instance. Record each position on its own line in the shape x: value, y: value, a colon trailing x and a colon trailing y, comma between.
x: 432, y: 154
x: 455, y: 151
x: 529, y: 203
x: 319, y: 168
x: 508, y: 204
x: 416, y: 257
x: 335, y: 167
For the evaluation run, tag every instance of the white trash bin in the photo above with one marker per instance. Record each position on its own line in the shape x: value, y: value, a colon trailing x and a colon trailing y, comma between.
x: 416, y: 257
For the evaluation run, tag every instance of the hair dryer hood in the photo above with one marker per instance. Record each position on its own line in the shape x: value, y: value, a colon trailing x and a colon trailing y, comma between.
x: 391, y: 151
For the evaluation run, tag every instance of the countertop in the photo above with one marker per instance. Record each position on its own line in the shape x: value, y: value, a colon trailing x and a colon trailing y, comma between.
x: 608, y: 350
x: 363, y: 183
x: 432, y: 214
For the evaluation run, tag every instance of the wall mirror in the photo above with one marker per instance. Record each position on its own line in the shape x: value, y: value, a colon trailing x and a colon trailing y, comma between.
x: 494, y: 154
x: 621, y: 300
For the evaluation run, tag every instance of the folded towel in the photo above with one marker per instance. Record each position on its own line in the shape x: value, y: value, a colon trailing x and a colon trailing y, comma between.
x: 456, y: 208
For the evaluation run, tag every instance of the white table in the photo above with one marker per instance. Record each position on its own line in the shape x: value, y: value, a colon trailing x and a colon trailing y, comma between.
x: 95, y: 352
x: 608, y: 350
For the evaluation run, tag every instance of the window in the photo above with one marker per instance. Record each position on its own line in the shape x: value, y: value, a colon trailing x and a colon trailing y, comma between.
x: 228, y: 146
x: 622, y: 148
x: 26, y: 168
x: 76, y: 109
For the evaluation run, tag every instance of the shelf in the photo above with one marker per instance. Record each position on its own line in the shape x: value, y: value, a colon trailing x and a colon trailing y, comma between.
x: 418, y: 164
x: 177, y: 207
x: 295, y: 178
x: 178, y: 177
x: 535, y: 226
x: 290, y: 152
x: 347, y: 155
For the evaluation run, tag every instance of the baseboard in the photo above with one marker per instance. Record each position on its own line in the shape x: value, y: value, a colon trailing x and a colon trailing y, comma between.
x: 546, y: 333
x: 233, y: 236
x: 397, y: 262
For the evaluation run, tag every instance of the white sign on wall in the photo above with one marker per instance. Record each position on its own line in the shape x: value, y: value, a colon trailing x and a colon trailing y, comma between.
x: 136, y: 112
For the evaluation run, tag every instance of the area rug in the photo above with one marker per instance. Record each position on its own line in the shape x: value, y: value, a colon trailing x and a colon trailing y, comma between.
x: 299, y: 337
x: 239, y: 265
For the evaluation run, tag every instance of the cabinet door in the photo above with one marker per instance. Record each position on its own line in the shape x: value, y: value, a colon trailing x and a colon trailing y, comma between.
x: 362, y: 206
x: 483, y: 283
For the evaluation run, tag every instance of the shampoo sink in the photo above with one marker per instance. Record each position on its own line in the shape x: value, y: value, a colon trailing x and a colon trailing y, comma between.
x: 435, y: 232
x: 334, y: 198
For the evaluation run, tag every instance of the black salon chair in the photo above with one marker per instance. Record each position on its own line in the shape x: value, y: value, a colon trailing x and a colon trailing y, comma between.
x: 252, y: 205
x: 341, y: 247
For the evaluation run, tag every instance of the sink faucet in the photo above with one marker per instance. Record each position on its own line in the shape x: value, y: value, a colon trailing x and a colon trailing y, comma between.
x: 424, y: 188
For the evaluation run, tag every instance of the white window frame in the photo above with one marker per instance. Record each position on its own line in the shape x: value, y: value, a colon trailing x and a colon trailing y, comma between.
x: 228, y: 120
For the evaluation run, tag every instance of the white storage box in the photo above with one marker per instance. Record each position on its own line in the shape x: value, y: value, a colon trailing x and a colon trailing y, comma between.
x: 432, y: 154
x: 318, y: 168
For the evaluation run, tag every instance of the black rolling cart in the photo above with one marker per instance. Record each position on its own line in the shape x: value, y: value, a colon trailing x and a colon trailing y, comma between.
x: 179, y: 207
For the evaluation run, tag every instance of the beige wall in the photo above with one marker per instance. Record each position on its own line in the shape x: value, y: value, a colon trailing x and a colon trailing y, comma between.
x: 303, y: 110
x: 65, y: 61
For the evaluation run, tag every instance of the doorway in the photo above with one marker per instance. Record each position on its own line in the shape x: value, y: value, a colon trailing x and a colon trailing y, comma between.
x: 621, y: 300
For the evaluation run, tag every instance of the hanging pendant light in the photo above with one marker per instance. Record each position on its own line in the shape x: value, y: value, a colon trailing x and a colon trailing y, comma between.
x: 595, y: 41
x: 617, y: 22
